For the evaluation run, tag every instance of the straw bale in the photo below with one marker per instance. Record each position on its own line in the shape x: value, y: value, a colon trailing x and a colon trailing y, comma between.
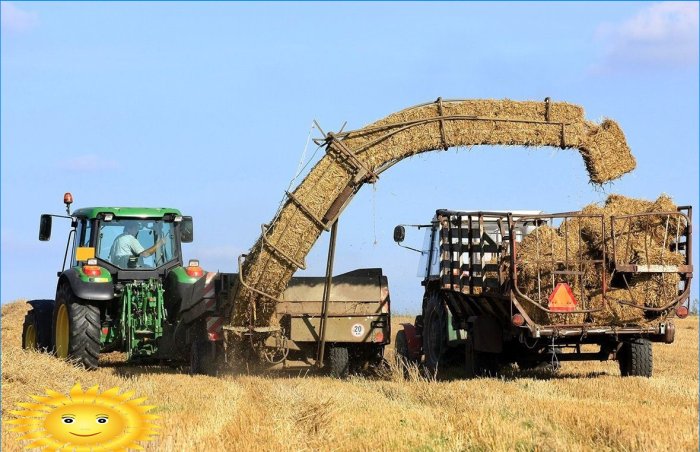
x: 643, y: 240
x: 654, y: 291
x: 406, y: 133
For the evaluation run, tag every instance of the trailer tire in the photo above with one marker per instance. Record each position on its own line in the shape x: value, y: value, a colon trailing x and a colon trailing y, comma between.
x: 434, y: 328
x: 76, y: 329
x: 480, y: 364
x: 339, y: 362
x: 635, y: 358
x: 203, y: 358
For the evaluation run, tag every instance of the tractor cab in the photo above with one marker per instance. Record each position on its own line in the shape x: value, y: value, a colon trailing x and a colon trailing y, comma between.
x: 123, y: 240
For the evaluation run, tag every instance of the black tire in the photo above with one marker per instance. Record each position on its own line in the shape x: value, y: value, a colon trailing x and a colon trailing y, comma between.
x: 434, y: 333
x: 339, y: 362
x: 203, y: 358
x: 38, y: 323
x: 402, y: 356
x: 471, y: 364
x: 635, y: 358
x: 527, y: 365
x: 81, y: 342
x: 401, y: 348
x: 30, y: 332
x: 480, y: 364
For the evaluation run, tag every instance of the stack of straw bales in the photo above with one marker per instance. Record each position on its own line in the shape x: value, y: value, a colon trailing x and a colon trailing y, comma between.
x: 639, y: 240
x: 403, y: 134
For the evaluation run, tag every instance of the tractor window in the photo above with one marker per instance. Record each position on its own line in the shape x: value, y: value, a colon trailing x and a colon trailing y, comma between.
x: 84, y: 232
x: 425, y: 255
x: 131, y: 243
x: 82, y: 238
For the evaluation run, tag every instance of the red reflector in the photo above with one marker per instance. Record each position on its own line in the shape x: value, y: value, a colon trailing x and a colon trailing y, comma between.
x: 92, y: 270
x: 379, y: 336
x: 562, y: 299
x: 214, y: 336
x: 518, y: 320
x: 194, y: 272
x: 682, y: 312
x: 105, y: 331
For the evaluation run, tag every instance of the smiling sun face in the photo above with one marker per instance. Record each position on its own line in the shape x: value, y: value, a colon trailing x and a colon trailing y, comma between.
x: 85, y: 420
x: 85, y: 424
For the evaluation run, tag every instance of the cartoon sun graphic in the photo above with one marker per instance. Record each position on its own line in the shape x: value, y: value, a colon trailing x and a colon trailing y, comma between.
x: 85, y: 421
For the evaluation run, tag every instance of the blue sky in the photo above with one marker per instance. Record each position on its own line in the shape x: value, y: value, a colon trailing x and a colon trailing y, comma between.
x: 207, y: 107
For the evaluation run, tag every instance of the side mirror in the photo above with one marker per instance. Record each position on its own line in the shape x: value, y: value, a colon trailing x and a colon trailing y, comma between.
x: 186, y: 230
x: 45, y: 227
x: 399, y: 234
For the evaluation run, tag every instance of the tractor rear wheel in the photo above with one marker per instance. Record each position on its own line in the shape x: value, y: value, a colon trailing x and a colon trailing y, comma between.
x: 76, y: 329
x: 203, y: 358
x: 30, y: 333
x: 635, y: 358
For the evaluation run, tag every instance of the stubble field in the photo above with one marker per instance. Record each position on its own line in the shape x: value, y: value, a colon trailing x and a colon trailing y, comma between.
x: 586, y: 406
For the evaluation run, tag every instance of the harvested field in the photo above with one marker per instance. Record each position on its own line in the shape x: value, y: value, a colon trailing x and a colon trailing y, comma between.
x: 577, y: 242
x: 587, y: 406
x: 356, y: 157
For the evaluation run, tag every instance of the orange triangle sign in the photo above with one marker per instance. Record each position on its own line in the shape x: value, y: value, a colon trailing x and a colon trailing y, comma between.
x: 562, y: 299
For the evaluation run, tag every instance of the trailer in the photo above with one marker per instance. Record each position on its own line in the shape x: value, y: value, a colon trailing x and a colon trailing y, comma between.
x: 476, y: 311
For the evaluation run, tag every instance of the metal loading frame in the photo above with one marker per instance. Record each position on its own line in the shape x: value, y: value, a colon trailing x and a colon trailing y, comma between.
x: 685, y: 271
x: 514, y: 264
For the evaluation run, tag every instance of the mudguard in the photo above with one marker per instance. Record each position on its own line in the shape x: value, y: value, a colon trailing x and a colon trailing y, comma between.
x: 95, y: 291
x: 199, y: 299
x: 487, y: 334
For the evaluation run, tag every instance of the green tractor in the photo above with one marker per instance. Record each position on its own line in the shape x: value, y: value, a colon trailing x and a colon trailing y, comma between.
x: 120, y: 288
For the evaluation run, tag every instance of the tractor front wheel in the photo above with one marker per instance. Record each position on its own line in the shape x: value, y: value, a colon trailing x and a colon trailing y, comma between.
x: 76, y: 329
x: 434, y: 333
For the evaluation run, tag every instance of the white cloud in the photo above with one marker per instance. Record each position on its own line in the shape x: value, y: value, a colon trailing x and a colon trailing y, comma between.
x: 15, y: 19
x: 90, y: 162
x: 662, y: 35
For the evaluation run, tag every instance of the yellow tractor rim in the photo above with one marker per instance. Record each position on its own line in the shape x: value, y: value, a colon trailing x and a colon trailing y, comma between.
x: 62, y: 332
x: 30, y: 338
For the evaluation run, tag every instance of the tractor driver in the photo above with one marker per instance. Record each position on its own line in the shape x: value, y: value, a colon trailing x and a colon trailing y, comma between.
x: 126, y: 245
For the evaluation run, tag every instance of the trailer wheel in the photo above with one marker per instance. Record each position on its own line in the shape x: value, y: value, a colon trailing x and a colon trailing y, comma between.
x: 471, y: 358
x: 480, y: 364
x: 339, y: 362
x: 76, y: 329
x: 434, y: 328
x: 635, y: 358
x: 203, y: 358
